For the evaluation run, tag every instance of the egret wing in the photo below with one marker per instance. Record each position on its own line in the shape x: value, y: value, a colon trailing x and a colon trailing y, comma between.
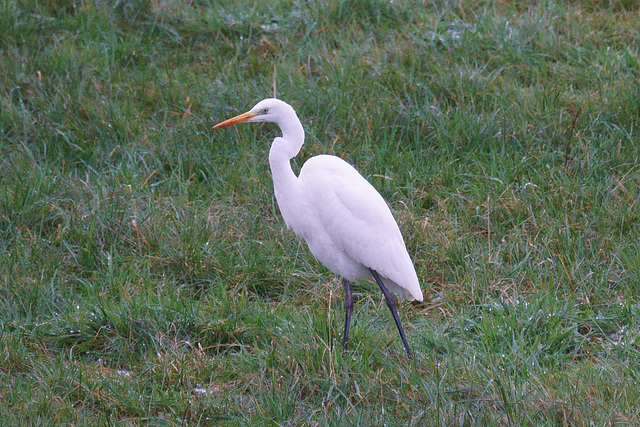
x: 358, y: 219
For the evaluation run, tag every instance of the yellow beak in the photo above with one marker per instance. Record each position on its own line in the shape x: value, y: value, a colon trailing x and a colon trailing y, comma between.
x: 237, y: 119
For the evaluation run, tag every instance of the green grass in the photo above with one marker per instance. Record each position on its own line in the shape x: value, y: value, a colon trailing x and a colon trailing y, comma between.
x: 146, y: 275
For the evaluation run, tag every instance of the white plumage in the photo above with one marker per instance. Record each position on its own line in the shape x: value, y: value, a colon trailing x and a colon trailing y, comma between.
x: 354, y: 229
x: 344, y: 220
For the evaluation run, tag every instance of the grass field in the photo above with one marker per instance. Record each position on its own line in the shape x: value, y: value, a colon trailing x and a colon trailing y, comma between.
x: 146, y: 274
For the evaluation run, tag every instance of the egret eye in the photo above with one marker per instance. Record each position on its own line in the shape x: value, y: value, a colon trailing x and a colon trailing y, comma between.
x: 264, y: 111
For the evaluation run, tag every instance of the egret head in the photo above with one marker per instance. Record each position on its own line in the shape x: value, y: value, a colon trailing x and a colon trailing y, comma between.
x: 267, y: 110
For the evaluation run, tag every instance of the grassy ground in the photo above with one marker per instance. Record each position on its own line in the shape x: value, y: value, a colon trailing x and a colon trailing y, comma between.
x: 147, y: 278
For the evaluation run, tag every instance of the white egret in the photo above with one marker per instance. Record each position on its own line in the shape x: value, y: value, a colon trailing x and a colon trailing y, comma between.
x: 344, y: 220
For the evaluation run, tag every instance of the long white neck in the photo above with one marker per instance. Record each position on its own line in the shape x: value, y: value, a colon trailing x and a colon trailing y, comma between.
x: 285, y: 182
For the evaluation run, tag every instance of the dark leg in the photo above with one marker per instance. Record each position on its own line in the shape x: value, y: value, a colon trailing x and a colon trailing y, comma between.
x: 348, y: 309
x: 391, y: 302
